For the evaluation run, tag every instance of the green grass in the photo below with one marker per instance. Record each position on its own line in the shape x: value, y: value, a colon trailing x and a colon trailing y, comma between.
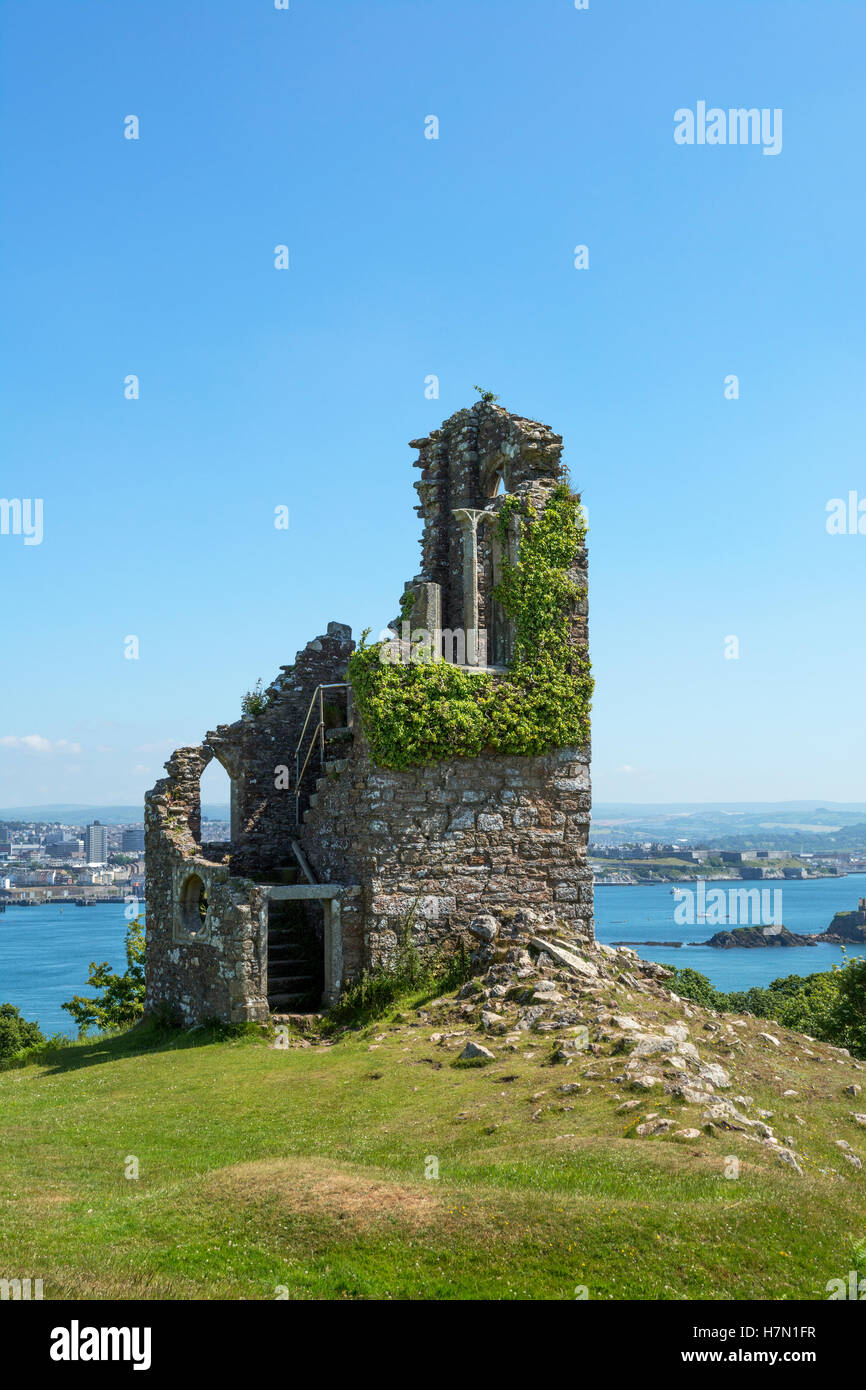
x: 304, y: 1168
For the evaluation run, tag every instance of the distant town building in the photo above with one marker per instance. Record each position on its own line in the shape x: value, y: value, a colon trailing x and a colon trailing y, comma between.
x: 133, y: 841
x: 96, y: 843
x: 93, y: 875
x: 64, y: 849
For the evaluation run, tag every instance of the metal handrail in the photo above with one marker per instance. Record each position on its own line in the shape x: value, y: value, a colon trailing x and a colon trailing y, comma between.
x: 318, y: 733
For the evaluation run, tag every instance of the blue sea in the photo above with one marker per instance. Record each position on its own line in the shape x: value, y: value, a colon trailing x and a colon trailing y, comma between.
x: 45, y: 952
x: 647, y: 914
x: 45, y: 955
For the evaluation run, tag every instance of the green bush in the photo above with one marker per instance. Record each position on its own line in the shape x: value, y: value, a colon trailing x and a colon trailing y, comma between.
x: 16, y: 1033
x: 847, y: 1015
x: 691, y: 984
x: 830, y: 1005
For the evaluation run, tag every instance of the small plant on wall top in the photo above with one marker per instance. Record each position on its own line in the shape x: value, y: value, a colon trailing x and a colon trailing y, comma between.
x: 255, y: 700
x: 421, y: 712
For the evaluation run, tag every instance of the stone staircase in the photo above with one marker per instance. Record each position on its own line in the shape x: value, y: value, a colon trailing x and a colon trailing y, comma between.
x: 338, y: 743
x: 295, y: 959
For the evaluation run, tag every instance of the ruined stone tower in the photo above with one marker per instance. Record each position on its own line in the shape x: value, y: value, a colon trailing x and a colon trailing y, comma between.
x: 333, y: 854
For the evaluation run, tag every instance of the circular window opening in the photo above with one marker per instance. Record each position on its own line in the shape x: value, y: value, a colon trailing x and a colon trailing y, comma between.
x: 193, y: 905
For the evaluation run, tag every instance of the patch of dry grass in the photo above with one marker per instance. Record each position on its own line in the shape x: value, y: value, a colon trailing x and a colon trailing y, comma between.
x: 319, y: 1188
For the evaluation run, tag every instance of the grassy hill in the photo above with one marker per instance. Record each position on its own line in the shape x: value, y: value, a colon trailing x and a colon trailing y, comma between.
x: 302, y: 1168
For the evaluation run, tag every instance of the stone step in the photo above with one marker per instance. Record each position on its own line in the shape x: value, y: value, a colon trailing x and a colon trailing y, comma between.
x: 290, y: 984
x: 289, y: 1001
x: 303, y: 1021
x: 283, y: 877
x: 331, y: 769
x: 341, y: 734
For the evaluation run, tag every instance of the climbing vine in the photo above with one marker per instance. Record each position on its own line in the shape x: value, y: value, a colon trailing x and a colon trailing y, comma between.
x: 422, y: 711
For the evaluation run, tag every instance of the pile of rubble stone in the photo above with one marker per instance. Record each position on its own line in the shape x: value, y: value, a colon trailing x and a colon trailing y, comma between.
x: 532, y: 977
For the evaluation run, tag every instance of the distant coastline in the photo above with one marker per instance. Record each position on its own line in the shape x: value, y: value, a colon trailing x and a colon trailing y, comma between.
x: 716, y: 878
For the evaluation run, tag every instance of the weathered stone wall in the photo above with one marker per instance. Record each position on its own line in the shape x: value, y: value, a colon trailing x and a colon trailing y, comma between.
x: 216, y: 968
x: 461, y: 464
x: 438, y: 844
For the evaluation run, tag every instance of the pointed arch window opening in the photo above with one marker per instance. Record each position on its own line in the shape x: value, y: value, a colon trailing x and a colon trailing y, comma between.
x: 494, y: 646
x: 219, y: 787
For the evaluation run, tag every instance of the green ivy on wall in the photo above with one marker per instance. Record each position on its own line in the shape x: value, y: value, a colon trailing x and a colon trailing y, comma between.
x: 421, y: 712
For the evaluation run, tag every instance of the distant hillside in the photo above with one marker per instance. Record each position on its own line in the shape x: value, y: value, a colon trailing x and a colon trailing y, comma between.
x: 785, y: 825
x: 852, y: 837
x: 631, y: 810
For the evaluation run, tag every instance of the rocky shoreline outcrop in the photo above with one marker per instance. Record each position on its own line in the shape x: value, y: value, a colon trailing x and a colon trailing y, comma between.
x: 750, y: 937
x: 846, y: 929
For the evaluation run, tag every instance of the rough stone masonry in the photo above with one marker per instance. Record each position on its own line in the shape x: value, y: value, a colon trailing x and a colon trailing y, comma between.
x: 331, y: 857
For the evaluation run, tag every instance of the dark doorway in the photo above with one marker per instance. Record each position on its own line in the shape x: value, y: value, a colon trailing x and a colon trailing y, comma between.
x: 296, y: 956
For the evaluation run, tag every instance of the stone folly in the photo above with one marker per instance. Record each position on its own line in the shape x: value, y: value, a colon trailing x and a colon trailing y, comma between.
x: 332, y: 858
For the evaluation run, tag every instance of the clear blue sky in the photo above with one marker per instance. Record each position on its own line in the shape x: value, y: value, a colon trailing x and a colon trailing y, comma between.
x: 412, y: 257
